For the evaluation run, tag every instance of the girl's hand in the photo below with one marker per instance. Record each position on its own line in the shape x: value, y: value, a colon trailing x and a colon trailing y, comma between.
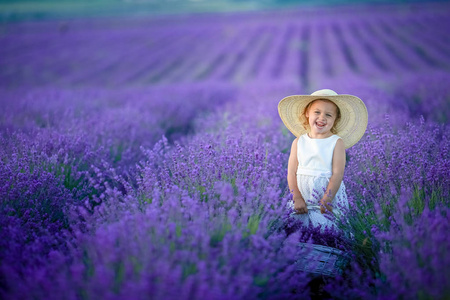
x: 300, y: 206
x: 325, y: 207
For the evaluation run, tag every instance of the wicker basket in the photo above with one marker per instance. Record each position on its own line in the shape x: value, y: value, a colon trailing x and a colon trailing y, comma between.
x: 323, y: 260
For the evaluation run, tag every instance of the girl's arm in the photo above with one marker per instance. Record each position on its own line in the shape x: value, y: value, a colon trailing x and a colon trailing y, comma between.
x: 338, y: 166
x: 299, y: 202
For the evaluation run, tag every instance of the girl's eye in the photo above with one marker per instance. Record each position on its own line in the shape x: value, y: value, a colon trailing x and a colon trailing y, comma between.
x: 329, y: 116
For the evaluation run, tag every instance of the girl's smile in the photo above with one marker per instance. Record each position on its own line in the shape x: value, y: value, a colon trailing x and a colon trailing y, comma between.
x: 321, y: 117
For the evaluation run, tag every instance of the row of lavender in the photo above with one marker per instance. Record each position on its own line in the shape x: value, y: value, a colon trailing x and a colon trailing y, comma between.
x: 199, y: 217
x: 300, y: 46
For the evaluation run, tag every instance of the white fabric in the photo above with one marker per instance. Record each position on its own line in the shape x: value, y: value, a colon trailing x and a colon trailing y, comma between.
x: 315, y: 157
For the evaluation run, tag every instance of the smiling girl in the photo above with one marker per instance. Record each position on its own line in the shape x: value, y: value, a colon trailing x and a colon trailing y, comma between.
x: 325, y: 124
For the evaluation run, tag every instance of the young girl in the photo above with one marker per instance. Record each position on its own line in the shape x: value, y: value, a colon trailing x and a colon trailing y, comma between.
x: 325, y: 124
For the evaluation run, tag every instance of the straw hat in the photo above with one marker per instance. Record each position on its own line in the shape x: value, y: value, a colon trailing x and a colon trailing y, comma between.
x: 350, y: 127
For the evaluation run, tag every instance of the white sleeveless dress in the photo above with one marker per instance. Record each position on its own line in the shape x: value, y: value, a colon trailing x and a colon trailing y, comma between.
x: 315, y: 158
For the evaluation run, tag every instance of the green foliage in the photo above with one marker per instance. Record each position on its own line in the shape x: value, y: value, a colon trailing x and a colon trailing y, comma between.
x: 89, y: 269
x: 218, y: 234
x: 253, y: 224
x: 189, y: 268
x: 137, y: 265
x: 260, y: 280
x: 119, y: 275
x: 115, y: 152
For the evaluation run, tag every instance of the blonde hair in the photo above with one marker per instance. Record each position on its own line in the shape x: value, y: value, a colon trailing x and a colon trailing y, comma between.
x: 304, y: 120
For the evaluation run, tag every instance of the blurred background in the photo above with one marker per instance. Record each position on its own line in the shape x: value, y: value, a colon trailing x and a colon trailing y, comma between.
x: 45, y: 9
x: 307, y: 44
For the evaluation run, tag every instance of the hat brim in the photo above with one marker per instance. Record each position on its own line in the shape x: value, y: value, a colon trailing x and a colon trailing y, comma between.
x: 351, y: 126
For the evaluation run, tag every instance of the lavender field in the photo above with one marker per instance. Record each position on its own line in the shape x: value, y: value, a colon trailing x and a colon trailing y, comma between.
x: 144, y: 158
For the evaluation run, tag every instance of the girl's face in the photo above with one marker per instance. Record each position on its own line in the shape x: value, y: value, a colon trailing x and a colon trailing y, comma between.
x: 321, y: 116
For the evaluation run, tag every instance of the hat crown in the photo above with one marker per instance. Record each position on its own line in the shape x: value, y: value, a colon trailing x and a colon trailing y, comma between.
x: 324, y: 92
